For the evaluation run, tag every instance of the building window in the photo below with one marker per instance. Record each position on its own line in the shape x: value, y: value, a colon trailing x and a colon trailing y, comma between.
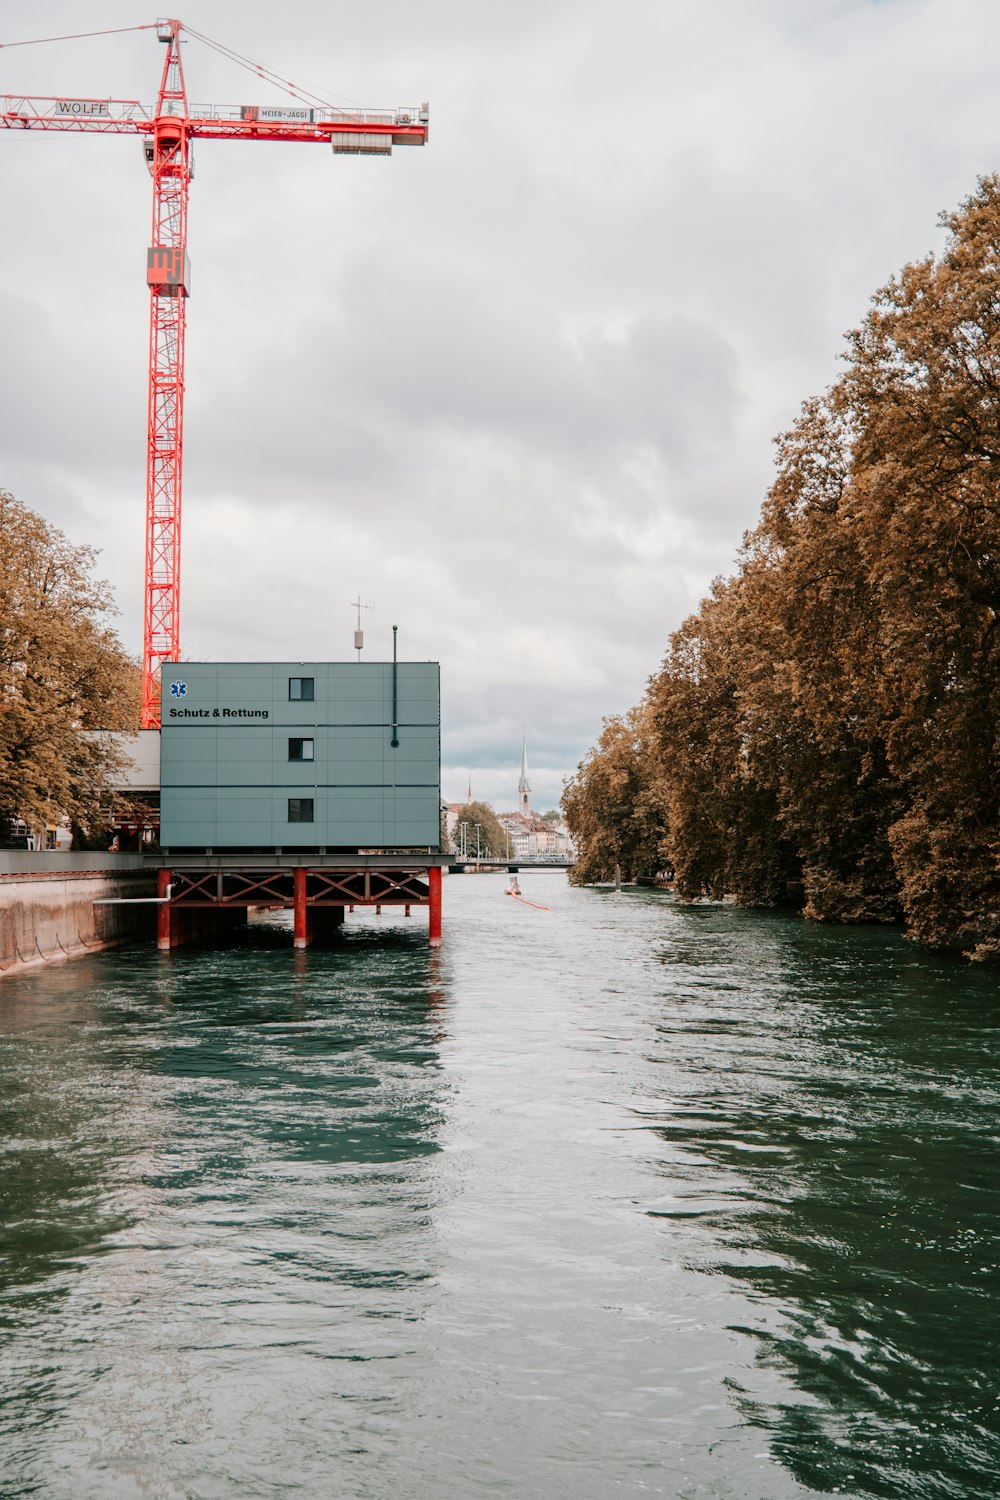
x: 300, y: 809
x: 301, y: 749
x: 301, y: 689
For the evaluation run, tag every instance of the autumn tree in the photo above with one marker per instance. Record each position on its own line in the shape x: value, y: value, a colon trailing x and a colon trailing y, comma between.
x: 479, y: 832
x: 613, y: 804
x: 63, y: 672
x: 723, y: 831
x: 924, y: 389
x: 830, y: 718
x: 809, y: 644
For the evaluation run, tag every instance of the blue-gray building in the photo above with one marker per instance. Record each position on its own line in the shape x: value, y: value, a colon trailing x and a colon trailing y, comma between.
x: 300, y: 755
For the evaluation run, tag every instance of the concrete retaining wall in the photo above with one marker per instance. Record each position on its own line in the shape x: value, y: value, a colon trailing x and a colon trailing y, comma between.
x: 50, y: 916
x: 64, y: 861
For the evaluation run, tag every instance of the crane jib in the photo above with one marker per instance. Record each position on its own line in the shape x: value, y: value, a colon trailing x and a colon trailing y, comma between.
x: 407, y: 126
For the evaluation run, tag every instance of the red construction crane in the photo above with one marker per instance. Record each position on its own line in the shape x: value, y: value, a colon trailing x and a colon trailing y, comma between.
x: 168, y: 130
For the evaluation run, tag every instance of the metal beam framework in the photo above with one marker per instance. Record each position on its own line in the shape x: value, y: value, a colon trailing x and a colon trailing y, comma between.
x: 276, y: 888
x: 317, y: 897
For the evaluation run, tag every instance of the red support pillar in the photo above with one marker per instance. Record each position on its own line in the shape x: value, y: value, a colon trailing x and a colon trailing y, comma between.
x: 434, y: 904
x: 301, y: 938
x: 162, y: 911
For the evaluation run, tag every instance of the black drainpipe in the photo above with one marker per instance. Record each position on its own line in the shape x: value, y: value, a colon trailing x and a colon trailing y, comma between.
x: 394, y: 742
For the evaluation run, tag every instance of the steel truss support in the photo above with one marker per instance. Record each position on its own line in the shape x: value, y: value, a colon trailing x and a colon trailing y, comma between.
x: 317, y: 898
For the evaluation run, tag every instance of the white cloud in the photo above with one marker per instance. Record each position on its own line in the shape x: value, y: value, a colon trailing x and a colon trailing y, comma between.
x: 519, y: 388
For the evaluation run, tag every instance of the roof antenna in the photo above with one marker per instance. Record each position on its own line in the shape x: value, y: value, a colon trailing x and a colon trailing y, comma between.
x: 359, y: 635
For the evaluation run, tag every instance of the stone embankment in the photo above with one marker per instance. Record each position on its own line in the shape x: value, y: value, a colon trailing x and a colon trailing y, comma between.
x: 47, y: 910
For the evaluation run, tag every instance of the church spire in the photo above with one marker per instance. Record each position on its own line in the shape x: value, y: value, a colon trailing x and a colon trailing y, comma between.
x: 524, y: 785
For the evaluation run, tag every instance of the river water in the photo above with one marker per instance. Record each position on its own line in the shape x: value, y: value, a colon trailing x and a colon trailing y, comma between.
x: 620, y: 1198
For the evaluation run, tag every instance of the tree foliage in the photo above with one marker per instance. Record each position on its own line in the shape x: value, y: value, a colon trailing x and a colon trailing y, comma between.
x: 479, y: 831
x: 828, y: 722
x: 63, y: 672
x: 613, y: 804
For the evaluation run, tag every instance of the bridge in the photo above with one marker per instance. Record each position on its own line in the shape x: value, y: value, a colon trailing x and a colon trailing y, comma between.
x: 512, y: 866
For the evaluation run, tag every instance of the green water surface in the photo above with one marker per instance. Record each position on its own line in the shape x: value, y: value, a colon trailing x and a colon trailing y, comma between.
x: 621, y: 1198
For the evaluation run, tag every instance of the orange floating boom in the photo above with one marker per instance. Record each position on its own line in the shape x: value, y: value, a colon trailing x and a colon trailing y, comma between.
x: 535, y: 904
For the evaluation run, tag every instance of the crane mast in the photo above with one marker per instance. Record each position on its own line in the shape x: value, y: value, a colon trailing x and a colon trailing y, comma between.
x: 168, y: 130
x: 168, y: 153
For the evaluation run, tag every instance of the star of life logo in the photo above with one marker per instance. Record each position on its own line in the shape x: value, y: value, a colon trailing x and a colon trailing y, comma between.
x: 178, y: 689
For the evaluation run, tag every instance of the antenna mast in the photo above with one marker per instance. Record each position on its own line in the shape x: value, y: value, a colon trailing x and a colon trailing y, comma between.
x: 359, y: 635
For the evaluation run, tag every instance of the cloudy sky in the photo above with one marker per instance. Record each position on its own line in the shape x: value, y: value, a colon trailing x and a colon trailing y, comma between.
x: 518, y: 388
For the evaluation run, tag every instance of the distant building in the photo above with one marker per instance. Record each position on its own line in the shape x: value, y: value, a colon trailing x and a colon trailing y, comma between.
x: 53, y: 836
x: 531, y: 837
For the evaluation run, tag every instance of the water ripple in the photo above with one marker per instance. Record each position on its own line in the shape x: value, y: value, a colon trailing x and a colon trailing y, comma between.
x: 621, y: 1198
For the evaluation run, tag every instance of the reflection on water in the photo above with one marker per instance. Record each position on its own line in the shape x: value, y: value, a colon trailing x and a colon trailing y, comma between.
x: 621, y: 1198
